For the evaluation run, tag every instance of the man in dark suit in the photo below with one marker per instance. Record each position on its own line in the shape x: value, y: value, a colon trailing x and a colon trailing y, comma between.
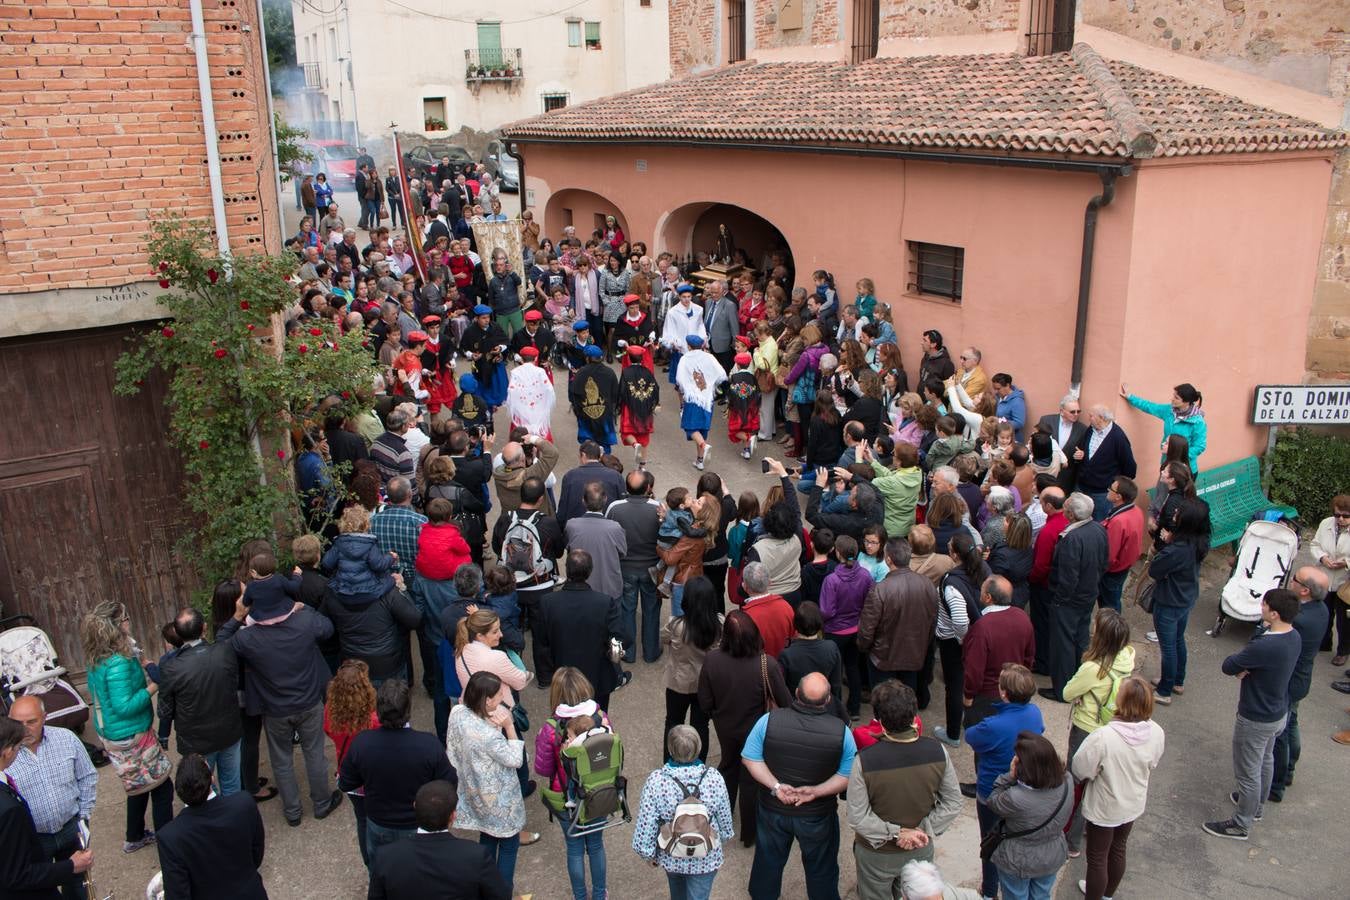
x: 434, y: 864
x: 575, y: 626
x: 1067, y: 428
x: 1076, y: 570
x: 571, y: 499
x: 1101, y: 456
x: 26, y: 871
x: 213, y: 848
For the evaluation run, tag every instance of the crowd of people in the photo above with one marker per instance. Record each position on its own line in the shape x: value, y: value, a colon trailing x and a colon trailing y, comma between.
x: 918, y: 527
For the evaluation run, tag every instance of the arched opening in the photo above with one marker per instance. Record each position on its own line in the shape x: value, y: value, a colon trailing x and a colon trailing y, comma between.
x: 695, y: 227
x: 585, y: 210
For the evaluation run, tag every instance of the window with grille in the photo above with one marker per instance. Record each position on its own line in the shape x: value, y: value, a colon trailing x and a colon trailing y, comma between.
x: 592, y: 35
x: 554, y: 101
x: 1050, y: 27
x: 735, y: 30
x: 866, y: 30
x: 936, y: 269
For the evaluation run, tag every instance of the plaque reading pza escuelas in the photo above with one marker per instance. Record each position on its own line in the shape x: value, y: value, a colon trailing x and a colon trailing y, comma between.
x: 1301, y: 404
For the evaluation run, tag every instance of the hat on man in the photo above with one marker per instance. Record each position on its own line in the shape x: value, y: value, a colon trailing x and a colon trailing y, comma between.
x: 742, y: 359
x: 581, y: 325
x: 593, y: 351
x: 636, y: 351
x: 529, y: 352
x: 534, y: 315
x: 694, y: 340
x: 482, y: 310
x: 468, y: 383
x: 630, y: 299
x: 417, y: 337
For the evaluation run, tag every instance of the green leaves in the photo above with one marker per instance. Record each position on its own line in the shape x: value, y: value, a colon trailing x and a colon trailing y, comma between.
x: 237, y: 392
x: 1310, y: 468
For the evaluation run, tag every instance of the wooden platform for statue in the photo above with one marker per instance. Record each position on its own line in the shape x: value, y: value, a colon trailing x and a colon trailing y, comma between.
x: 716, y: 272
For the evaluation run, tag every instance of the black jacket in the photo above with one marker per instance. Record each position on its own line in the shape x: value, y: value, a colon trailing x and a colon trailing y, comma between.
x: 473, y: 473
x: 550, y: 532
x: 26, y: 873
x: 213, y: 851
x: 1175, y: 571
x: 199, y: 691
x: 1114, y: 457
x: 868, y: 411
x: 1014, y: 565
x: 392, y: 764
x: 286, y: 673
x: 574, y: 628
x: 346, y: 447
x: 571, y: 500
x: 801, y: 657
x: 803, y: 745
x: 435, y: 866
x: 1078, y: 564
x: 373, y: 631
x: 871, y: 511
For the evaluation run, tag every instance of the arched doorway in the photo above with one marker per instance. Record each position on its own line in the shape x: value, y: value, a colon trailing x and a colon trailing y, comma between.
x: 586, y: 210
x: 694, y: 227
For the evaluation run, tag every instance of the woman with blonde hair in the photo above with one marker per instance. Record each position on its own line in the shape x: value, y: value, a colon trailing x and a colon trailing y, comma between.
x: 123, y: 716
x: 686, y: 556
x: 348, y: 711
x: 765, y: 360
x: 907, y: 427
x: 476, y: 640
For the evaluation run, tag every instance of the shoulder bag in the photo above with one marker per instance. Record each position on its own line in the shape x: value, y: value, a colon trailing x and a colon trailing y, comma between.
x: 770, y: 704
x: 997, y: 835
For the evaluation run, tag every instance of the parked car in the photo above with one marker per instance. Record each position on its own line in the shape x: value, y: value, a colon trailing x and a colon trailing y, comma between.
x: 506, y: 169
x: 336, y: 159
x: 420, y: 160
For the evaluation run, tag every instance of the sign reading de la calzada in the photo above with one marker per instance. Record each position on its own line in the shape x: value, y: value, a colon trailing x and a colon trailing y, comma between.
x: 1301, y: 404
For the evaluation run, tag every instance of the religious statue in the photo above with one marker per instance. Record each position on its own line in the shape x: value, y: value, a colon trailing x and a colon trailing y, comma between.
x: 726, y: 247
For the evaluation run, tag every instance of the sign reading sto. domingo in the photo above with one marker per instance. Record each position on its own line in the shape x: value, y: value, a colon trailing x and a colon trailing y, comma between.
x: 1301, y: 404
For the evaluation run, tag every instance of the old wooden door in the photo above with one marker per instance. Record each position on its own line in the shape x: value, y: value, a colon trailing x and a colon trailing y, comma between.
x: 89, y: 490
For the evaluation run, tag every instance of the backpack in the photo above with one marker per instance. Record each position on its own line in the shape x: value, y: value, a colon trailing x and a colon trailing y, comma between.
x: 470, y: 525
x: 689, y: 834
x: 593, y: 786
x: 522, y: 550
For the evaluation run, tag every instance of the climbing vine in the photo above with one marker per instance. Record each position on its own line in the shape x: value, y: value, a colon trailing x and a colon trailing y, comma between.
x: 235, y: 387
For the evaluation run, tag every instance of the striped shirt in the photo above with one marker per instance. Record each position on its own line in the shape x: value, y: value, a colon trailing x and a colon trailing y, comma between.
x: 58, y: 781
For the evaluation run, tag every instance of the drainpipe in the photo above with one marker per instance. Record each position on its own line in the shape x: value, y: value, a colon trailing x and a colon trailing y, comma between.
x: 271, y: 120
x: 510, y: 149
x: 1108, y: 177
x: 209, y: 128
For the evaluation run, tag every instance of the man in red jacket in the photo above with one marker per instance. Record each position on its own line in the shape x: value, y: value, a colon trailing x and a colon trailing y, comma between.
x: 1000, y: 637
x: 1124, y: 539
x: 772, y: 614
x: 1052, y: 502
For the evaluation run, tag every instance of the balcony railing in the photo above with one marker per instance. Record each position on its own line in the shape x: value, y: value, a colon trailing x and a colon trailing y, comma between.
x: 492, y: 65
x: 313, y: 76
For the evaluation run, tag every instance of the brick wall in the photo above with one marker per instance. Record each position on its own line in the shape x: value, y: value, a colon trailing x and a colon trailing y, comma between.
x: 1303, y: 43
x: 101, y: 133
x: 691, y: 35
x: 820, y: 24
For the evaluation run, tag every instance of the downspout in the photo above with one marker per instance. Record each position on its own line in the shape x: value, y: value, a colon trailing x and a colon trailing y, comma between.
x: 1108, y: 194
x: 271, y: 120
x: 509, y: 148
x: 209, y: 128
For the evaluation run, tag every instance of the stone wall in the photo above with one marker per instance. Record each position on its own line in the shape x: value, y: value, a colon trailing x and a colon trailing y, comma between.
x: 1302, y: 43
x: 945, y: 18
x: 820, y: 24
x: 691, y: 36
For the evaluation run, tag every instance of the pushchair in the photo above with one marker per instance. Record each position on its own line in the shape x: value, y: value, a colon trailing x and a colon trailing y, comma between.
x: 1264, y: 561
x: 28, y: 667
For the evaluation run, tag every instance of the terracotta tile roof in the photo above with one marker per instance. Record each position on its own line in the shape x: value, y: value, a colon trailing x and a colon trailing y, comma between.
x: 1068, y: 103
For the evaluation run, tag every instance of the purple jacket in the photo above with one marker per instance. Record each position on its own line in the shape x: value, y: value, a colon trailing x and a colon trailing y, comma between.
x: 810, y: 358
x: 842, y: 596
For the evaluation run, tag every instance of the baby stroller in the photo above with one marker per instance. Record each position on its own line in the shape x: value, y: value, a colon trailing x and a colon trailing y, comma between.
x: 1265, y: 558
x: 564, y: 337
x: 594, y: 794
x: 28, y: 667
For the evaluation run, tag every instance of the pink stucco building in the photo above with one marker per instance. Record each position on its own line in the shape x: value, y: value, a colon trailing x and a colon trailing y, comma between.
x: 1209, y: 209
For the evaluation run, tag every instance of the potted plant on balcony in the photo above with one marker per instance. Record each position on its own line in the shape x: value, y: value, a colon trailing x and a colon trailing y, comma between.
x: 434, y: 124
x: 510, y: 72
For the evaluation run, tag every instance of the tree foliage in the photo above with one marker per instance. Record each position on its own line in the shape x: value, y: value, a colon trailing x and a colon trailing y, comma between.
x: 279, y: 27
x: 289, y: 151
x: 1310, y: 468
x: 235, y: 387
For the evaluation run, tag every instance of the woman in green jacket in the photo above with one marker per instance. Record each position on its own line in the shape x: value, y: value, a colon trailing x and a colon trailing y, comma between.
x: 1182, y: 416
x: 123, y: 716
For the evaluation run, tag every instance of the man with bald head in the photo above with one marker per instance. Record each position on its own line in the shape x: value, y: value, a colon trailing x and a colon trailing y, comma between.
x: 1311, y: 585
x: 1002, y: 635
x: 636, y: 513
x: 802, y: 755
x: 53, y: 774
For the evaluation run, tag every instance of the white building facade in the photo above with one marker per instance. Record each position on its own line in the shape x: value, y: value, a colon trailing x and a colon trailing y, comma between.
x: 435, y: 66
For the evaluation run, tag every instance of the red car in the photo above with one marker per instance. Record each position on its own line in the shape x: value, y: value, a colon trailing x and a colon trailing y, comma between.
x: 335, y: 158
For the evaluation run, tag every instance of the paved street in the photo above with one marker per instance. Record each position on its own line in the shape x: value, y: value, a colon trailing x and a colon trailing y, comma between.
x: 1292, y: 853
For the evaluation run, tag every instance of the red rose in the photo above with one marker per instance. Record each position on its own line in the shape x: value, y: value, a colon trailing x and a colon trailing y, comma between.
x: 243, y: 304
x: 167, y: 332
x: 202, y: 445
x: 164, y: 282
x: 281, y: 454
x: 220, y: 353
x: 316, y: 331
x: 163, y: 266
x: 346, y: 395
x: 303, y: 348
x: 212, y: 275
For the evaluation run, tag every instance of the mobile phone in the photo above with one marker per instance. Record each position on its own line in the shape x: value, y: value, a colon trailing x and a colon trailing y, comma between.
x: 764, y: 466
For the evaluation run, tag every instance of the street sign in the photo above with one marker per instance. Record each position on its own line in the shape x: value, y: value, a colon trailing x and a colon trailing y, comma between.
x: 1301, y: 404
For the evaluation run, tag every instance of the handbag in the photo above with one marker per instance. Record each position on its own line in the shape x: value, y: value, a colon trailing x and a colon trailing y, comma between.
x: 1344, y: 593
x: 139, y: 761
x: 766, y: 381
x: 990, y: 842
x: 1145, y: 598
x: 520, y: 717
x: 770, y: 704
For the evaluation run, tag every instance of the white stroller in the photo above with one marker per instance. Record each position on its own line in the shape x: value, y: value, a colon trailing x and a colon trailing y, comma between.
x: 1264, y: 561
x: 28, y: 667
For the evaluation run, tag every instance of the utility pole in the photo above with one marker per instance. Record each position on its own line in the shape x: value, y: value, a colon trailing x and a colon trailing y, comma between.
x: 351, y: 83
